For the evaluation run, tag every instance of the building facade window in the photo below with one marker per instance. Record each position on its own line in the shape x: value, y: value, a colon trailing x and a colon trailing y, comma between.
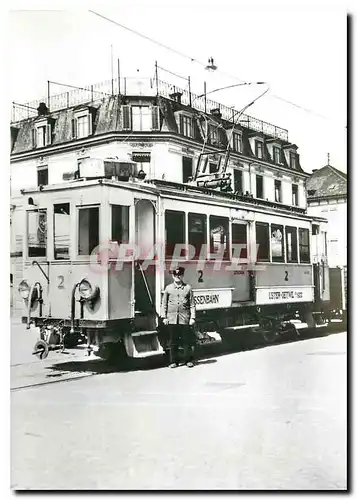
x: 295, y: 194
x: 141, y: 118
x: 41, y: 135
x: 187, y: 169
x: 237, y: 142
x: 142, y: 160
x: 277, y: 190
x: 259, y: 186
x: 259, y: 149
x: 293, y: 160
x: 82, y: 125
x: 186, y: 125
x: 238, y: 181
x: 42, y: 176
x: 213, y: 167
x: 213, y: 135
x: 276, y: 155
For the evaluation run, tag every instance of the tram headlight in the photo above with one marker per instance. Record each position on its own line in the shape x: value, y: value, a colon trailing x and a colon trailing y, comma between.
x: 87, y: 292
x: 85, y: 289
x: 24, y: 289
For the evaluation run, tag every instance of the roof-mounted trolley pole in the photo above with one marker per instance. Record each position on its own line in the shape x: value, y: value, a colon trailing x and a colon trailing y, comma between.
x: 235, y: 122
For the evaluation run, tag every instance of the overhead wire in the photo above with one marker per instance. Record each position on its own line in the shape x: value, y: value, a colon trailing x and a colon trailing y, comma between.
x: 193, y: 59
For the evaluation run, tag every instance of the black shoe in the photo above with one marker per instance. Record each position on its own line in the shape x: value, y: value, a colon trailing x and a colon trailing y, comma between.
x: 190, y: 364
x: 173, y: 365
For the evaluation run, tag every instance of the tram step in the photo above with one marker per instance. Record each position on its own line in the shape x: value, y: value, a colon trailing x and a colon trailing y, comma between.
x: 241, y: 327
x: 143, y: 332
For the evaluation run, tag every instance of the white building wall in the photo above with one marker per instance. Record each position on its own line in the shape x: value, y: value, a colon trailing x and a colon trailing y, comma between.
x: 336, y: 214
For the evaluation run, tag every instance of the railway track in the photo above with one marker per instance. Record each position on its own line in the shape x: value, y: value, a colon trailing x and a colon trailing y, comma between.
x: 92, y: 367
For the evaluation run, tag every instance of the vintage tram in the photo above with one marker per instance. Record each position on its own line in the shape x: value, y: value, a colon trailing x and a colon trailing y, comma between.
x: 99, y: 249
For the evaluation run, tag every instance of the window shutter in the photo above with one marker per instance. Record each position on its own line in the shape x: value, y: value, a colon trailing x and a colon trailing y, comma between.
x: 33, y: 131
x: 48, y: 134
x: 155, y: 118
x: 126, y: 117
x: 74, y: 128
x: 90, y: 123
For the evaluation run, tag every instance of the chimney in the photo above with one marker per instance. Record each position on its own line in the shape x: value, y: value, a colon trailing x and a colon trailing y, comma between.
x: 42, y: 110
x: 176, y: 96
x: 216, y: 112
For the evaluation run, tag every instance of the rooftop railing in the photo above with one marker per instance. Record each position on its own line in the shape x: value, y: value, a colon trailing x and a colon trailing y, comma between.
x: 141, y: 87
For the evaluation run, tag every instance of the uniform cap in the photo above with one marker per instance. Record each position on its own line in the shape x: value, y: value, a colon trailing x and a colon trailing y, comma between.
x: 178, y: 271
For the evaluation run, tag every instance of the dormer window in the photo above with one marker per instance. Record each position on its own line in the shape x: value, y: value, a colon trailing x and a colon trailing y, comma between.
x: 186, y: 127
x: 237, y: 142
x: 213, y: 135
x: 42, y: 134
x: 276, y: 155
x: 293, y: 160
x: 259, y: 149
x: 81, y: 124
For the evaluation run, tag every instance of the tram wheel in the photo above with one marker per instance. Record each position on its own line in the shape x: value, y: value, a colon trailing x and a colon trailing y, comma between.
x: 41, y: 349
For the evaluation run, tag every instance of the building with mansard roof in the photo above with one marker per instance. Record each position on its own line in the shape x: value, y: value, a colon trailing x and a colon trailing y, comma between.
x: 327, y: 197
x: 161, y: 128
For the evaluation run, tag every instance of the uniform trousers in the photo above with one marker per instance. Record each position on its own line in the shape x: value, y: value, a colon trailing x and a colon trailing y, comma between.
x: 181, y: 336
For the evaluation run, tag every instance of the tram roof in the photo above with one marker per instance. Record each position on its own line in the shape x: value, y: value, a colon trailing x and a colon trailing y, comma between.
x: 171, y: 189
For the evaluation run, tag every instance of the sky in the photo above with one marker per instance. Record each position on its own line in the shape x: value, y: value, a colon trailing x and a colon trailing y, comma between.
x: 299, y: 49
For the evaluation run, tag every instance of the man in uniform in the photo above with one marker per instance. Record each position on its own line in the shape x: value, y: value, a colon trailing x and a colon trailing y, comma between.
x: 179, y: 313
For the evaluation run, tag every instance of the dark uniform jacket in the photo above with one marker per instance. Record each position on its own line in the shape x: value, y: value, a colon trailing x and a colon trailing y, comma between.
x: 178, y: 305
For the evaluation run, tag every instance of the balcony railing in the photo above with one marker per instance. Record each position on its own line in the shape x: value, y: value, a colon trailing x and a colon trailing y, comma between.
x: 141, y: 87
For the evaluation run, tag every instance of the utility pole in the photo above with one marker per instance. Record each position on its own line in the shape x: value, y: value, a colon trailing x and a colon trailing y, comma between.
x: 156, y: 78
x: 111, y: 64
x: 118, y: 76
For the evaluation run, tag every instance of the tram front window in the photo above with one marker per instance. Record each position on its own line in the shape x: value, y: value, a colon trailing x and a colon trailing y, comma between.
x: 120, y: 224
x: 37, y: 233
x: 61, y: 230
x: 88, y: 230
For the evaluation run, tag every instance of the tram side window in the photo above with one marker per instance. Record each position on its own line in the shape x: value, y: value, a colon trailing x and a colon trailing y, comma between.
x: 277, y: 243
x: 88, y: 230
x: 291, y: 244
x: 219, y: 236
x: 304, y: 245
x: 174, y: 230
x: 262, y: 241
x: 239, y: 241
x: 197, y: 232
x: 37, y: 233
x: 120, y: 224
x: 61, y: 230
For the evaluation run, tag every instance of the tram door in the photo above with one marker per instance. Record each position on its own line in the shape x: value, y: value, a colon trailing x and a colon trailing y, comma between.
x: 144, y: 290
